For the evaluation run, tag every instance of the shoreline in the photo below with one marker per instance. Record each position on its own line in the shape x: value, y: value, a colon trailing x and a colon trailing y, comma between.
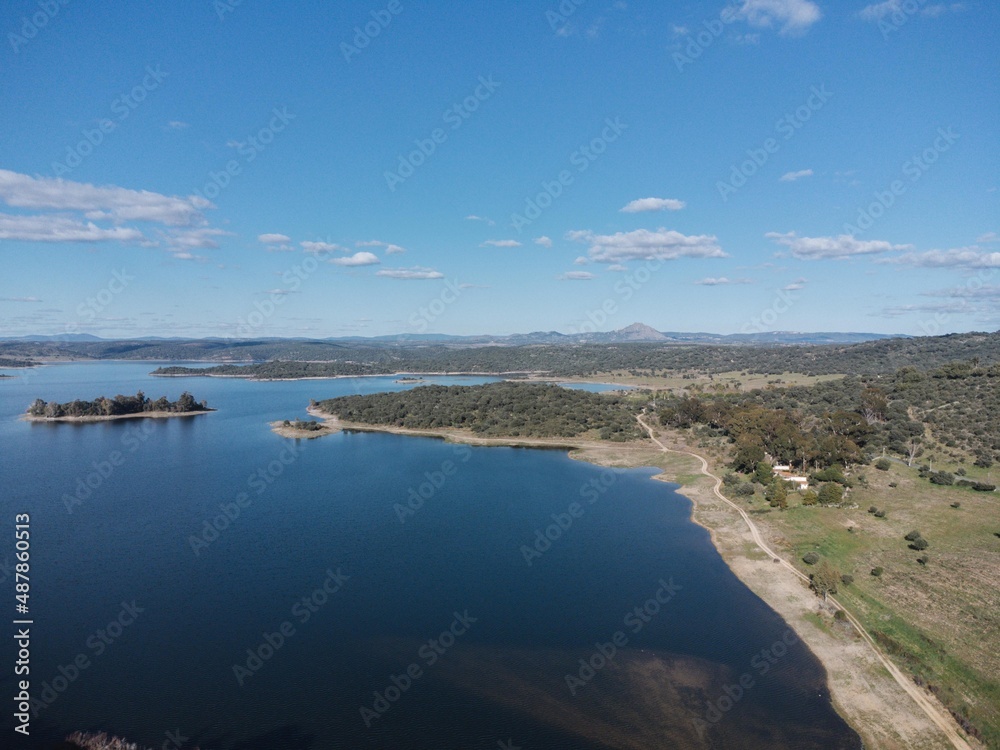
x: 112, y: 417
x: 870, y: 693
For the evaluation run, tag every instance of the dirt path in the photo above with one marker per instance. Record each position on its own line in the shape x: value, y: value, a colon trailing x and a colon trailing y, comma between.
x: 933, y: 712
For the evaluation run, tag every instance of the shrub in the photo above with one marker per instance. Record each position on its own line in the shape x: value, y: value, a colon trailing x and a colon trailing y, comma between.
x: 840, y: 615
x: 877, y: 572
x: 983, y: 487
x: 731, y: 479
x: 831, y: 474
x: 956, y: 505
x: 830, y: 493
x: 744, y: 489
x: 809, y: 498
x: 894, y: 484
x: 923, y: 559
x: 883, y: 464
x: 919, y: 544
x: 941, y: 477
x: 912, y: 535
x: 810, y: 558
x: 872, y: 509
x: 880, y: 514
x: 961, y: 472
x: 847, y: 579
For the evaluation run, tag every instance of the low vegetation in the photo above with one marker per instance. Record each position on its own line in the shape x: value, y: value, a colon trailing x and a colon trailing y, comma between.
x: 496, y: 410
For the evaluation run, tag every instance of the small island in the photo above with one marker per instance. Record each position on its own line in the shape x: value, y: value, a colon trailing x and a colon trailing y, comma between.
x: 408, y: 379
x: 300, y: 428
x: 102, y: 408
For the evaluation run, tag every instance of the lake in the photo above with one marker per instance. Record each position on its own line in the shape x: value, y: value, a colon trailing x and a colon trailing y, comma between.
x: 202, y: 581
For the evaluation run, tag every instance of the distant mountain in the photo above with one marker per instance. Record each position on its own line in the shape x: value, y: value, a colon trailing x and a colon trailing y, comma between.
x: 636, y: 333
x: 55, y: 337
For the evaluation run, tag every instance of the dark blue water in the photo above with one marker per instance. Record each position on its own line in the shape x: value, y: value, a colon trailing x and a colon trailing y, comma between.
x: 433, y: 631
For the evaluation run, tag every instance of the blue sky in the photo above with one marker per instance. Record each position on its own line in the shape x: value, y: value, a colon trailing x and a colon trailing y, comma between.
x: 365, y: 168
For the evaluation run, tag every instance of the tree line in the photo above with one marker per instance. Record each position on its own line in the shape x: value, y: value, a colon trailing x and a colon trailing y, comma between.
x: 954, y: 408
x: 496, y: 409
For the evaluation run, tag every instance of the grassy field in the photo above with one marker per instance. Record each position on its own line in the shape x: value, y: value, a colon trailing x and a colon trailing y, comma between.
x: 941, y: 621
x: 725, y: 381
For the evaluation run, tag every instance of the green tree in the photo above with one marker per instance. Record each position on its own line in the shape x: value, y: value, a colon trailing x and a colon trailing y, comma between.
x: 824, y: 579
x: 762, y: 473
x: 830, y: 493
x: 777, y: 493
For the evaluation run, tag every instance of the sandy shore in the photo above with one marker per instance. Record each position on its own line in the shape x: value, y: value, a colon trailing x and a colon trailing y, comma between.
x: 880, y: 702
x: 287, y: 431
x: 139, y: 415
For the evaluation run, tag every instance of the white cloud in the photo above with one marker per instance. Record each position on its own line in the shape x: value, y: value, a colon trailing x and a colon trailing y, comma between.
x: 358, y: 259
x: 415, y: 273
x: 273, y: 239
x: 789, y: 16
x: 112, y: 202
x: 281, y: 292
x: 989, y: 237
x: 959, y: 257
x: 795, y: 286
x: 19, y: 299
x: 188, y: 239
x: 653, y: 204
x: 643, y: 244
x: 721, y: 281
x: 618, y: 268
x: 320, y: 247
x: 904, y: 8
x: 543, y: 241
x: 390, y: 249
x: 52, y: 228
x: 581, y: 261
x: 487, y: 221
x: 842, y: 246
x: 177, y: 125
x: 986, y: 291
x: 793, y: 176
x: 501, y: 243
x: 576, y: 276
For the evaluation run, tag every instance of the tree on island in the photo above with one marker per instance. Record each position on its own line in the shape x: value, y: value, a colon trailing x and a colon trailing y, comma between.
x: 118, y: 406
